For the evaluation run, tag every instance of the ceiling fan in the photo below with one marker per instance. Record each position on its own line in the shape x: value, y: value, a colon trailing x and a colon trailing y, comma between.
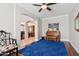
x: 44, y: 6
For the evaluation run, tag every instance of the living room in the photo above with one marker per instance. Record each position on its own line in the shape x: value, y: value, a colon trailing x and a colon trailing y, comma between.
x: 64, y: 14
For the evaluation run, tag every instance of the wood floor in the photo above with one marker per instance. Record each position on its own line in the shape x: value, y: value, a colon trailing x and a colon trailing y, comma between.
x: 26, y: 42
x: 71, y: 51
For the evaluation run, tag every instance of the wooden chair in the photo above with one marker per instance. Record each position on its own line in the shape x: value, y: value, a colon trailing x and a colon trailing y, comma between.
x: 8, y: 45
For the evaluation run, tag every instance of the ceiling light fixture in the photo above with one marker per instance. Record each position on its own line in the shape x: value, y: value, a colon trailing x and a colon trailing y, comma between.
x: 44, y: 7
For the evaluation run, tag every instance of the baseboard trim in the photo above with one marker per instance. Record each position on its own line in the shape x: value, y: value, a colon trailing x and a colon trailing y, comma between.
x: 64, y: 40
x: 74, y: 47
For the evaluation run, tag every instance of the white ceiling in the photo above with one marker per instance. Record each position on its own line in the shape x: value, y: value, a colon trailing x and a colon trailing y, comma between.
x: 57, y: 9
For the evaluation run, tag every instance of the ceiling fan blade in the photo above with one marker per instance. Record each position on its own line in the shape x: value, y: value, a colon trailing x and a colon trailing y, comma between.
x: 40, y: 10
x: 51, y: 4
x: 36, y: 5
x: 48, y: 9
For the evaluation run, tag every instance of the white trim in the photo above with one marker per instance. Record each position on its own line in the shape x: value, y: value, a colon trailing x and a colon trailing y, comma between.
x: 56, y: 16
x: 14, y: 35
x: 64, y: 40
x: 73, y: 45
x: 36, y: 30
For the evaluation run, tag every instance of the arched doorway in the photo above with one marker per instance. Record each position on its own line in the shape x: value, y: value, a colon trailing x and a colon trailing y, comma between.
x: 29, y: 31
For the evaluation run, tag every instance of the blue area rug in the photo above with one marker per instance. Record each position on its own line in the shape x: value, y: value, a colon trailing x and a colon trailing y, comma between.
x: 45, y: 48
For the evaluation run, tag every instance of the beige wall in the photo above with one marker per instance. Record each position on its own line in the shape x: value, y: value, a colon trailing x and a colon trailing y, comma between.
x: 63, y: 25
x: 24, y: 18
x: 74, y: 35
x: 7, y: 17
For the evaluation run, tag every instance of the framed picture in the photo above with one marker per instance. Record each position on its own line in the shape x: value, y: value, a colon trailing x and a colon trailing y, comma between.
x: 77, y: 23
x: 54, y: 26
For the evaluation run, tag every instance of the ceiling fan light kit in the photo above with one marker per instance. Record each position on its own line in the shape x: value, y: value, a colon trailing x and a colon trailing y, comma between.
x: 44, y: 6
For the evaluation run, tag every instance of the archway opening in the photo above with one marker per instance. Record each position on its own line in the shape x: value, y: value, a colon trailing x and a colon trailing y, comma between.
x: 31, y: 29
x: 28, y: 32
